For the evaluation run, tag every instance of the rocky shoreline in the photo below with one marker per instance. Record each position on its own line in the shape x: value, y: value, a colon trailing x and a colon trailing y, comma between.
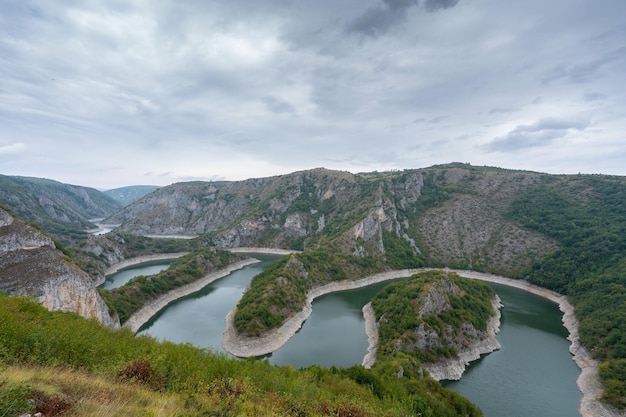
x: 142, y: 316
x: 270, y: 251
x: 371, y: 331
x: 452, y: 369
x: 588, y: 381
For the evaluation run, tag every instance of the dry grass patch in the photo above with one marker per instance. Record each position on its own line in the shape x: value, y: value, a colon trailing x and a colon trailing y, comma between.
x: 70, y: 393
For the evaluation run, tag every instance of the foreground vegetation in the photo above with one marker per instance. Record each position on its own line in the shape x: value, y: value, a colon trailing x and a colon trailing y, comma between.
x: 62, y: 364
x: 399, y: 314
x: 129, y: 298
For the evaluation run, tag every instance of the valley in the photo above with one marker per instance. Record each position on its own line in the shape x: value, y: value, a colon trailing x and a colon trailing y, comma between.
x: 562, y: 233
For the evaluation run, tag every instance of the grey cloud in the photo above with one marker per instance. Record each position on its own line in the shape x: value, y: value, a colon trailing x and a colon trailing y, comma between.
x: 594, y: 96
x: 378, y: 20
x: 502, y: 110
x: 587, y: 71
x: 12, y: 149
x: 276, y: 105
x: 432, y: 120
x: 536, y: 134
x: 434, y: 5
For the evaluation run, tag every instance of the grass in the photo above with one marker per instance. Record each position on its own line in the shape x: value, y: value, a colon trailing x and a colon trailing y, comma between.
x: 71, y: 366
x: 87, y: 395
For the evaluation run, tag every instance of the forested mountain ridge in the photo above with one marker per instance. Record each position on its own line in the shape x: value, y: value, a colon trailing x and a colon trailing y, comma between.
x: 63, y: 210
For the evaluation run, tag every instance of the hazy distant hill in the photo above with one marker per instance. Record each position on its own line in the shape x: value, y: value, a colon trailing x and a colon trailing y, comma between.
x: 62, y: 210
x: 126, y: 195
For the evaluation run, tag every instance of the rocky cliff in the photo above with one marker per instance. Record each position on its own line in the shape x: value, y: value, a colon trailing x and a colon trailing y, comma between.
x: 455, y: 214
x: 30, y: 265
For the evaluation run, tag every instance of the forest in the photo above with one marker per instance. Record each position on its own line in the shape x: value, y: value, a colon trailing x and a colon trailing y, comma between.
x: 588, y: 219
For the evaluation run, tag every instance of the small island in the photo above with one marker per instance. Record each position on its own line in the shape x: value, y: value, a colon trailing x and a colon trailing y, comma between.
x: 435, y: 317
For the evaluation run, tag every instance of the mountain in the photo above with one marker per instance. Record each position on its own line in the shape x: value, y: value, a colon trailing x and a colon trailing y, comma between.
x: 31, y: 265
x: 563, y: 232
x: 467, y: 225
x: 63, y: 210
x: 127, y: 195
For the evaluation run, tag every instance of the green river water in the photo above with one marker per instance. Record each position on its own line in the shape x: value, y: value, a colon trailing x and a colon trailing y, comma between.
x: 532, y: 375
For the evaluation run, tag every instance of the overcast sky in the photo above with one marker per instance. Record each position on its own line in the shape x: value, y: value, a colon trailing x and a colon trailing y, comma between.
x: 113, y: 93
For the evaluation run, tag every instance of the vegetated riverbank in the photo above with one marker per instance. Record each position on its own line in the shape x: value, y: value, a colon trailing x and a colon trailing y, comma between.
x: 142, y: 316
x: 588, y: 382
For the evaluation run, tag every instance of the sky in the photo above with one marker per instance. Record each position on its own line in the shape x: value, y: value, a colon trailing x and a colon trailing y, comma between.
x: 113, y: 93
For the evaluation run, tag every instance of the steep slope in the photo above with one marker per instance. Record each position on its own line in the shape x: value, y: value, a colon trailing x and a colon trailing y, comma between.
x: 451, y: 214
x: 30, y: 265
x: 62, y: 210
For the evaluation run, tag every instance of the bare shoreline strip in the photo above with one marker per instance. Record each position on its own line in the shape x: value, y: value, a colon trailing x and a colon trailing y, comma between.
x: 271, y: 251
x: 142, y: 259
x: 142, y: 316
x: 588, y: 381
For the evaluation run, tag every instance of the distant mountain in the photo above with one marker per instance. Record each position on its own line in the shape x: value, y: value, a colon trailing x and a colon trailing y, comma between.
x: 63, y: 210
x: 127, y: 195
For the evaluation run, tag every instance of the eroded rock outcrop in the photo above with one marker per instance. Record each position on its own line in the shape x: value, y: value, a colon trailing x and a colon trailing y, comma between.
x: 30, y: 265
x: 445, y: 343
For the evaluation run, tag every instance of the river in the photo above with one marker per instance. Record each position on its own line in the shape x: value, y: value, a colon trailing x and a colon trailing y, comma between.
x: 123, y: 276
x: 533, y: 374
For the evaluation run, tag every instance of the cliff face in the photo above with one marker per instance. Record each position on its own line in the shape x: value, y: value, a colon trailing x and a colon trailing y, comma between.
x: 30, y: 265
x: 453, y: 214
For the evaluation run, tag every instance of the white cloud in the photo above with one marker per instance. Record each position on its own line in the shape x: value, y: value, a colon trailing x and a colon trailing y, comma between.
x: 12, y: 149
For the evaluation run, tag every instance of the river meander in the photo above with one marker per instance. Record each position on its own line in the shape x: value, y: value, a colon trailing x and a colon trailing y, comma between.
x: 123, y: 276
x: 532, y: 375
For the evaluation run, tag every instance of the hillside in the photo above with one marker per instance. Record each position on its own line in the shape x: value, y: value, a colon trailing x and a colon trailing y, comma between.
x: 63, y: 210
x: 60, y: 364
x: 563, y: 232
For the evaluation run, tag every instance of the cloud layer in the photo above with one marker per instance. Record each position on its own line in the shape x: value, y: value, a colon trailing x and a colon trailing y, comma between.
x: 111, y: 93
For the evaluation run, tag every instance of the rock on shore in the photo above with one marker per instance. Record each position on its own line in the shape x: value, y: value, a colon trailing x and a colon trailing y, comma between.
x: 453, y: 368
